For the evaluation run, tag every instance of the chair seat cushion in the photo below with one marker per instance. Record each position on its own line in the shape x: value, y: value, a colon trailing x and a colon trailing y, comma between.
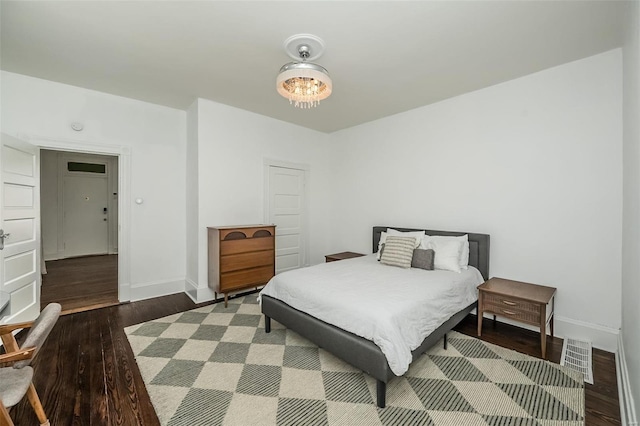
x: 14, y: 384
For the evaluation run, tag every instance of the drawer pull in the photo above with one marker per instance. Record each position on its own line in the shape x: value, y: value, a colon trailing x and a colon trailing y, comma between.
x: 508, y: 312
x: 506, y: 302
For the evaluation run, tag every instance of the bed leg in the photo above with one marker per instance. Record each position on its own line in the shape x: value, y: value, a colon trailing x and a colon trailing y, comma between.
x: 267, y: 324
x: 445, y: 341
x: 381, y: 391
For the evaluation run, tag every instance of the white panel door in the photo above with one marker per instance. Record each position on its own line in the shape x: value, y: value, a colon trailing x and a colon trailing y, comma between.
x: 20, y: 219
x: 85, y: 222
x: 286, y: 209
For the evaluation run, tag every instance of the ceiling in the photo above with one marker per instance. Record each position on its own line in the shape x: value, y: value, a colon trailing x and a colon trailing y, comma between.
x: 384, y: 57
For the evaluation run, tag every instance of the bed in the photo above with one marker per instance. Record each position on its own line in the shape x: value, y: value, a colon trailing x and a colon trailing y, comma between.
x: 359, y: 351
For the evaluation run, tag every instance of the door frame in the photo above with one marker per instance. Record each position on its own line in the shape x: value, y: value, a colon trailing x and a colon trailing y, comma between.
x: 270, y: 162
x: 123, y: 153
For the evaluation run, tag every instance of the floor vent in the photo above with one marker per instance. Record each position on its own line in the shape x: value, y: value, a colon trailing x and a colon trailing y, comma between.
x: 576, y: 354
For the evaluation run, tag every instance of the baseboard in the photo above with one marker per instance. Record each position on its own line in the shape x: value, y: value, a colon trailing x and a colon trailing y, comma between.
x: 191, y: 289
x: 52, y: 256
x: 627, y: 407
x: 156, y: 289
x: 601, y: 337
x: 198, y: 294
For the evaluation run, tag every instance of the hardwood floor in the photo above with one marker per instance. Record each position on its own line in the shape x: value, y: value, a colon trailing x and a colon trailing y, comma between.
x: 81, y: 283
x: 86, y: 372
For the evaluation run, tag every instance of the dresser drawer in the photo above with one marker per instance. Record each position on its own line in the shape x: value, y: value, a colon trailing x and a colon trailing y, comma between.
x: 234, y: 262
x: 512, y: 308
x: 246, y: 245
x: 242, y: 233
x: 245, y: 278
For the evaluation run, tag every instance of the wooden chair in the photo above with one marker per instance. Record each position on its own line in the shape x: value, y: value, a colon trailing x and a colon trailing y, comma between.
x: 16, y: 378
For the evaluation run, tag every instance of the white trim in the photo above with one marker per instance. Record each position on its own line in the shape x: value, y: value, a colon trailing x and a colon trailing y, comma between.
x: 269, y: 162
x: 627, y: 407
x: 156, y: 289
x: 198, y: 294
x: 124, y: 189
x: 600, y: 336
x: 191, y: 289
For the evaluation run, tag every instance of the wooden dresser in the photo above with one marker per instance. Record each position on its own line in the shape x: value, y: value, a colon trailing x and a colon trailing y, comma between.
x: 240, y: 257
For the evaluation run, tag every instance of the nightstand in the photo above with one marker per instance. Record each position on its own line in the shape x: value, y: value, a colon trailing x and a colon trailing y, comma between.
x: 523, y: 302
x: 341, y: 256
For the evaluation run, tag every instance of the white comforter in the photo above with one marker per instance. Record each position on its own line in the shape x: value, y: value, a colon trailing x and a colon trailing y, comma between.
x: 393, y: 307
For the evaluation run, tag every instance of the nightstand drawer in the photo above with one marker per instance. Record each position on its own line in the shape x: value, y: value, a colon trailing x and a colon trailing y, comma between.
x: 512, y: 308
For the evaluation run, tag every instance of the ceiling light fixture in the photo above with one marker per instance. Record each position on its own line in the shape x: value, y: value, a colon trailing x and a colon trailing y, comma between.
x: 304, y: 83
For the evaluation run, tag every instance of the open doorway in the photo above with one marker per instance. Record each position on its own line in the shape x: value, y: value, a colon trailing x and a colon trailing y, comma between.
x: 79, y: 217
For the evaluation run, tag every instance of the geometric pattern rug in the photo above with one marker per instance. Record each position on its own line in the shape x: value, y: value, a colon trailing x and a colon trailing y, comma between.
x: 217, y: 366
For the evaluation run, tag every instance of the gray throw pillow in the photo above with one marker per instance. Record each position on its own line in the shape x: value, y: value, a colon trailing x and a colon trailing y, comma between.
x: 423, y: 259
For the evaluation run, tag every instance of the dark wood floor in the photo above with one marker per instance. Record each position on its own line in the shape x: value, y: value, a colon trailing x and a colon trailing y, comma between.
x: 86, y: 372
x: 81, y: 283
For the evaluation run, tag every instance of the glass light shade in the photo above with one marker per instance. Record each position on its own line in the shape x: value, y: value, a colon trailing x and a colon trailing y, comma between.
x: 304, y: 84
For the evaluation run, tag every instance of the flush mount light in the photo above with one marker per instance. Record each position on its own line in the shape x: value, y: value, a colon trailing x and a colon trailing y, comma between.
x: 304, y: 83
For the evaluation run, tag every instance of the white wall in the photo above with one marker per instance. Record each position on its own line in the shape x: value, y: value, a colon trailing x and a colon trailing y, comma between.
x: 155, y: 137
x: 631, y: 210
x: 232, y: 147
x: 534, y: 162
x: 192, y: 197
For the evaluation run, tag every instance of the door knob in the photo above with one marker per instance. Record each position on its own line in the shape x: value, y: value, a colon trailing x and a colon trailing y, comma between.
x: 2, y: 237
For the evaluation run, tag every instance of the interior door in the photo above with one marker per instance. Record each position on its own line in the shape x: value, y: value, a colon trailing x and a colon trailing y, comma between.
x: 286, y: 202
x: 20, y: 222
x: 86, y: 226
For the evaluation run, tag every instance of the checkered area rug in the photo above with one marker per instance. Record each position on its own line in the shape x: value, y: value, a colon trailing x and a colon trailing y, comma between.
x: 217, y: 366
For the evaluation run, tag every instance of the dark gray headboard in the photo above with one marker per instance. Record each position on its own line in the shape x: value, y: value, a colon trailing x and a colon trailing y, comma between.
x: 478, y: 245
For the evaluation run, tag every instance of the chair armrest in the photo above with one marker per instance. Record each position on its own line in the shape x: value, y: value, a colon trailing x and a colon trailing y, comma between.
x: 8, y: 328
x: 17, y: 356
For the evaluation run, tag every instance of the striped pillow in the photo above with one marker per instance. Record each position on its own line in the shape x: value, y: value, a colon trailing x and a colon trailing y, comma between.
x: 398, y: 251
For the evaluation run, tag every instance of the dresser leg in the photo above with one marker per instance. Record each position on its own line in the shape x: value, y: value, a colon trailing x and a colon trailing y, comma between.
x: 226, y: 299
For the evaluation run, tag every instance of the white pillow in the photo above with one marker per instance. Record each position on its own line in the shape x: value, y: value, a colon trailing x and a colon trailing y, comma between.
x: 418, y: 235
x: 447, y: 253
x: 464, y: 249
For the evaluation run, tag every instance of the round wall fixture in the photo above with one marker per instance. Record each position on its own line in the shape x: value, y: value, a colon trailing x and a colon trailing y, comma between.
x: 77, y: 126
x: 314, y: 44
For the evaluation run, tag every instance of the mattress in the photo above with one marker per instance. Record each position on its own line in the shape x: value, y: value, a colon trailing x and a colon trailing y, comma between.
x: 395, y: 308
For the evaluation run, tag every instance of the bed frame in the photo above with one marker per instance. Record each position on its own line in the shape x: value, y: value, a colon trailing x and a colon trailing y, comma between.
x: 360, y: 352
